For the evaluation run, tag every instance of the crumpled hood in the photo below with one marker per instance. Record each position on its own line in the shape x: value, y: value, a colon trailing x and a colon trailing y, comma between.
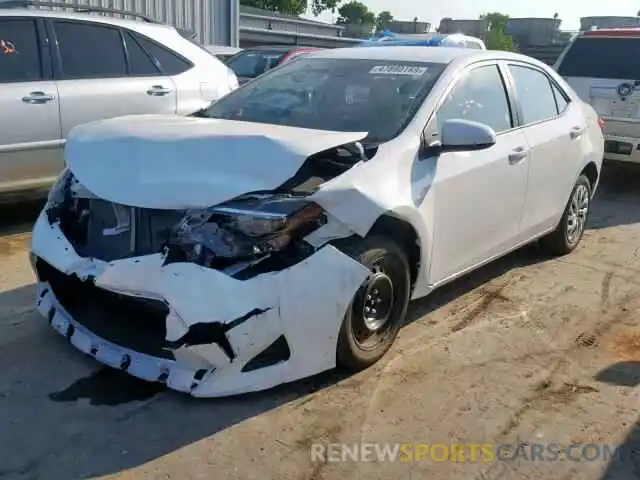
x: 175, y: 162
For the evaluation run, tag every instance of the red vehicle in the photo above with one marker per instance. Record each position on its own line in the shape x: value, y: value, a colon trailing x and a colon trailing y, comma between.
x: 253, y: 62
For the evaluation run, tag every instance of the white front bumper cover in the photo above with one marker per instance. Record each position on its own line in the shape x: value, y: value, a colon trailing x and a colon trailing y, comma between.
x: 304, y: 303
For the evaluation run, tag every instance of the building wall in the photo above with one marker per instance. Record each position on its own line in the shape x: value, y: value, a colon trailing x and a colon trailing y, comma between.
x: 282, y: 24
x: 533, y: 31
x: 608, y: 22
x: 545, y: 53
x: 359, y: 30
x: 475, y: 28
x: 409, y: 27
x: 215, y: 22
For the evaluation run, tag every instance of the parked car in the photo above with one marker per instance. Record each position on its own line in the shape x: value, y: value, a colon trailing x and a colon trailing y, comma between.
x: 59, y: 69
x: 435, y: 40
x: 253, y: 62
x: 602, y: 67
x: 283, y: 230
x: 223, y: 53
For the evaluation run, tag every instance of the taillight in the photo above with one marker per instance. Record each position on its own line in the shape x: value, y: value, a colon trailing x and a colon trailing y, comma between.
x: 601, y: 123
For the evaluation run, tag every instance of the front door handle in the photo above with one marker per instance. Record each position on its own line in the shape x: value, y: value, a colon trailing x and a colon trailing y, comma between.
x: 158, y: 91
x: 37, y: 98
x: 517, y: 155
x: 576, y: 132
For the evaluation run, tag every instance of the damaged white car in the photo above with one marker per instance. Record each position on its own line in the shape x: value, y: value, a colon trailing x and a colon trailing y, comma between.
x: 283, y: 230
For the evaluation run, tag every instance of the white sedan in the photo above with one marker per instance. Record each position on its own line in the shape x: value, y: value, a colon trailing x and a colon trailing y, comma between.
x: 283, y: 230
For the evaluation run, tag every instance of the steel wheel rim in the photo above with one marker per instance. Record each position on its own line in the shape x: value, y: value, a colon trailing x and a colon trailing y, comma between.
x: 378, y: 301
x: 369, y: 326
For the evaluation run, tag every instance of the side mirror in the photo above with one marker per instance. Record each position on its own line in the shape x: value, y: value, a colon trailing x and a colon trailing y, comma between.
x: 460, y: 135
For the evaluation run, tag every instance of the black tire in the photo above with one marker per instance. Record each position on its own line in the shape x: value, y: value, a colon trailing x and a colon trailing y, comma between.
x: 561, y: 241
x: 358, y: 345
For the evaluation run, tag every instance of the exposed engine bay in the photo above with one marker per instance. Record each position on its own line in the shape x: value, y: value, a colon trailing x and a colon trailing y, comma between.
x: 232, y: 237
x: 180, y: 296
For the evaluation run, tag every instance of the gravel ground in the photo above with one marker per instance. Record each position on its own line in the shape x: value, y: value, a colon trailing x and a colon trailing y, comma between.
x: 528, y: 350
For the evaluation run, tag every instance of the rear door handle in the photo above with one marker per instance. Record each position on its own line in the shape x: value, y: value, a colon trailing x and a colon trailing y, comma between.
x: 158, y: 91
x: 576, y: 132
x: 518, y: 155
x: 36, y: 98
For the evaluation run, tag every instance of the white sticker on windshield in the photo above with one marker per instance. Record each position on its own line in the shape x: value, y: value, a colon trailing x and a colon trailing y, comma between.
x: 398, y: 70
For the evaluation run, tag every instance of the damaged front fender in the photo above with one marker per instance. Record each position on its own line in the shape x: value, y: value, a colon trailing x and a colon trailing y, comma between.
x: 304, y: 303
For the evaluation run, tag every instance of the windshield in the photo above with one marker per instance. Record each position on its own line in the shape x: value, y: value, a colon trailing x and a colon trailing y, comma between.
x: 252, y: 63
x: 375, y: 96
x: 602, y: 57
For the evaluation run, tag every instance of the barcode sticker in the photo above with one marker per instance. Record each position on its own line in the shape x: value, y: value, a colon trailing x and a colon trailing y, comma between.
x: 398, y: 70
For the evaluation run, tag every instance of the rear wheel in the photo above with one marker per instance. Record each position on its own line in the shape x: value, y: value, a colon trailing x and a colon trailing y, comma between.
x: 566, y: 237
x: 378, y: 308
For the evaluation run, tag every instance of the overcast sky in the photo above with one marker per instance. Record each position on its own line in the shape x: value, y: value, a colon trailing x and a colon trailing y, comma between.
x: 570, y: 11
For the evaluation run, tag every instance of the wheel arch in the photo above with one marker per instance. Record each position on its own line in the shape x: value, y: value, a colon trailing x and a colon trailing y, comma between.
x: 399, y: 229
x: 592, y: 173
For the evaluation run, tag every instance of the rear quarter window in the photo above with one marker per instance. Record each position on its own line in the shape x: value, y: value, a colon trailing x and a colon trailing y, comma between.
x: 168, y: 62
x: 602, y: 57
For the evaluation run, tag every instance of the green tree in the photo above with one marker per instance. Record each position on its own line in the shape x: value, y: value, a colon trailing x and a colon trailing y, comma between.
x: 496, y: 38
x: 319, y: 6
x: 293, y: 7
x: 383, y: 21
x: 356, y: 13
x: 497, y: 21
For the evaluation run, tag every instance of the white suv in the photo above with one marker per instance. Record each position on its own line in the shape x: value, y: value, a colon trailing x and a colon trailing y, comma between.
x: 603, y: 67
x: 60, y: 69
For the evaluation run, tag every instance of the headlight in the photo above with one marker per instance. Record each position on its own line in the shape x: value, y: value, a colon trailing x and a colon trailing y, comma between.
x: 244, y: 229
x: 257, y: 222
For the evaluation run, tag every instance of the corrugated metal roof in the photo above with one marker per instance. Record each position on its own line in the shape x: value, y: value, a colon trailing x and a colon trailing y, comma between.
x: 213, y: 21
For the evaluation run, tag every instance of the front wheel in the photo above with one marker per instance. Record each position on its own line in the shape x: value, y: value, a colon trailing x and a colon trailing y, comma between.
x: 566, y: 237
x: 378, y: 308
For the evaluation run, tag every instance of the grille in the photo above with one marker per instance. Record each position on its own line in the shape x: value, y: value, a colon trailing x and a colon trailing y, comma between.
x: 133, y: 323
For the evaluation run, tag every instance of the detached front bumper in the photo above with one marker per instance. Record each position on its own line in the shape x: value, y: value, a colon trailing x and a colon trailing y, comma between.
x: 217, y: 333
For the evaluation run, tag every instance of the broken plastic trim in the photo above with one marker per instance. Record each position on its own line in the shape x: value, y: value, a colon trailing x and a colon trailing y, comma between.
x: 207, y: 333
x: 275, y: 353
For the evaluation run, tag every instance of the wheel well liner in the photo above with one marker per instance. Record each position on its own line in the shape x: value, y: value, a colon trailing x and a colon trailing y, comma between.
x: 591, y: 171
x: 405, y: 235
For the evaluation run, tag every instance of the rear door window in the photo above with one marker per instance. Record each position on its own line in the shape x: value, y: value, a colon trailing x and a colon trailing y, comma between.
x: 90, y: 50
x: 19, y: 51
x: 535, y: 94
x: 562, y: 101
x: 602, y: 57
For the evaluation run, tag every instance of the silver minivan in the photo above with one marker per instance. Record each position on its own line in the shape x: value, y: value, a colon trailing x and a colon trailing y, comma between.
x: 60, y: 69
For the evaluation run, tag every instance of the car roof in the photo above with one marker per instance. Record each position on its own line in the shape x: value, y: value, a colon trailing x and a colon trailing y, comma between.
x: 28, y: 12
x: 426, y: 40
x: 419, y: 54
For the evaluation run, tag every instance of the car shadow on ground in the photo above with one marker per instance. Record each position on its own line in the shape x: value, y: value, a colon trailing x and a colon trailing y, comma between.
x: 626, y: 463
x: 19, y: 217
x: 115, y: 413
x: 618, y: 196
x: 64, y: 416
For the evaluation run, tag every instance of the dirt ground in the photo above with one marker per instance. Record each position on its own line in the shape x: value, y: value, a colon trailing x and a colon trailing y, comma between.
x: 527, y: 350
